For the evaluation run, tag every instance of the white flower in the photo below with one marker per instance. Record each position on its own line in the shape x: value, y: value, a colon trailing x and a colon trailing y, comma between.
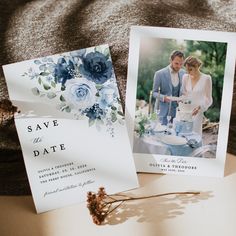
x: 80, y: 92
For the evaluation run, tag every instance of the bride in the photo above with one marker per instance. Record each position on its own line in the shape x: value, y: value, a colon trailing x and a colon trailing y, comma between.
x: 197, y: 86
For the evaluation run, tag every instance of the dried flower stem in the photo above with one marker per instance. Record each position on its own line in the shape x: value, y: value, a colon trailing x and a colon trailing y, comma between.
x: 100, y: 203
x: 151, y: 196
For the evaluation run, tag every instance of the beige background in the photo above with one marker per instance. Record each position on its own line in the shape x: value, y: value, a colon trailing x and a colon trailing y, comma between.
x: 213, y: 212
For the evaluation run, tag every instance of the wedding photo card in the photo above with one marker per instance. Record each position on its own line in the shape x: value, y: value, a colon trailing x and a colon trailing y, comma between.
x: 71, y: 126
x: 178, y: 99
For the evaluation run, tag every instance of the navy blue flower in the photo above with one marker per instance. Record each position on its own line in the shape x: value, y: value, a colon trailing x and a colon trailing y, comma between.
x: 96, y: 67
x: 94, y: 112
x: 64, y: 71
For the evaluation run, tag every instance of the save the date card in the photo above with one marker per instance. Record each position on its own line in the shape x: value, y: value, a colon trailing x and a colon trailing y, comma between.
x: 71, y: 126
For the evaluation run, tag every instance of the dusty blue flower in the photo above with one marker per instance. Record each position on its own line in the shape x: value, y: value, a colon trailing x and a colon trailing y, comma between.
x: 96, y: 67
x: 49, y: 78
x: 42, y: 67
x: 108, y: 95
x: 94, y: 112
x: 32, y: 73
x: 76, y: 56
x: 79, y: 53
x: 80, y: 92
x: 51, y: 67
x: 64, y: 71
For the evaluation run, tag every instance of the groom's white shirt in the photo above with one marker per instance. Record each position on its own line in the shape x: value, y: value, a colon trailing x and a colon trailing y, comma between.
x: 174, y: 77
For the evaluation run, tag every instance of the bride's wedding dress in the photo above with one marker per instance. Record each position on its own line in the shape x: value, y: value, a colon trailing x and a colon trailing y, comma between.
x: 200, y: 95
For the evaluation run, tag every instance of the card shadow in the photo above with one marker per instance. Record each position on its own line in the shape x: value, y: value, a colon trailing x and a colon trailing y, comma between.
x: 230, y: 165
x: 156, y: 209
x: 23, y: 204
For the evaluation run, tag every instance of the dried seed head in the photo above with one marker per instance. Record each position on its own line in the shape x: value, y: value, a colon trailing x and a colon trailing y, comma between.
x: 95, y: 204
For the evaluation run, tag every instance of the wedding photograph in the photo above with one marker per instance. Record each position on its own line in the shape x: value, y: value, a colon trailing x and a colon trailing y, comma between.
x: 178, y: 97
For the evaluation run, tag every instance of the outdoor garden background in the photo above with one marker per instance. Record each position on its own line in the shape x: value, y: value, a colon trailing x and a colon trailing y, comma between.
x: 155, y: 54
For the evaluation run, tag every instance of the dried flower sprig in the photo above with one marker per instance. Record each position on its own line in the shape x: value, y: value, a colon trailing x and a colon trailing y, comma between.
x: 100, y: 203
x: 7, y: 111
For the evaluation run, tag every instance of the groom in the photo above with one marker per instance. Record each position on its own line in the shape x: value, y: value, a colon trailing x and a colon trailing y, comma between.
x: 167, y: 82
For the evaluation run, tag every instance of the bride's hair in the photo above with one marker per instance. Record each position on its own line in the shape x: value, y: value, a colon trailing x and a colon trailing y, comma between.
x: 192, y: 62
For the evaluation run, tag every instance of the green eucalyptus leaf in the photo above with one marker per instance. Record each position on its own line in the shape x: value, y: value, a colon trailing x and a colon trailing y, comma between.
x: 39, y: 80
x: 107, y: 53
x: 44, y: 73
x: 91, y: 122
x: 53, y: 84
x: 99, y: 86
x: 119, y: 100
x: 61, y: 106
x: 113, y: 117
x: 67, y: 109
x: 62, y: 98
x: 35, y: 91
x: 113, y: 108
x: 98, y: 49
x: 51, y: 95
x: 46, y: 86
x: 120, y: 113
x: 37, y: 62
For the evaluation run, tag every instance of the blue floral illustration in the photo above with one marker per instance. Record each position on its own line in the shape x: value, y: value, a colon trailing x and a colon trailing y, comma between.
x: 96, y: 67
x: 64, y: 71
x: 94, y: 112
x: 81, y: 83
x: 32, y: 74
x: 78, y: 55
x: 80, y: 93
x: 108, y: 95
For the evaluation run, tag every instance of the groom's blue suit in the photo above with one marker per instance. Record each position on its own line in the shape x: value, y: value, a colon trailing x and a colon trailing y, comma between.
x: 162, y: 80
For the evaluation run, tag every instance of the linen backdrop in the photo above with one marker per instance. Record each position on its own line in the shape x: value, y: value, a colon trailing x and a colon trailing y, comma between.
x: 36, y: 28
